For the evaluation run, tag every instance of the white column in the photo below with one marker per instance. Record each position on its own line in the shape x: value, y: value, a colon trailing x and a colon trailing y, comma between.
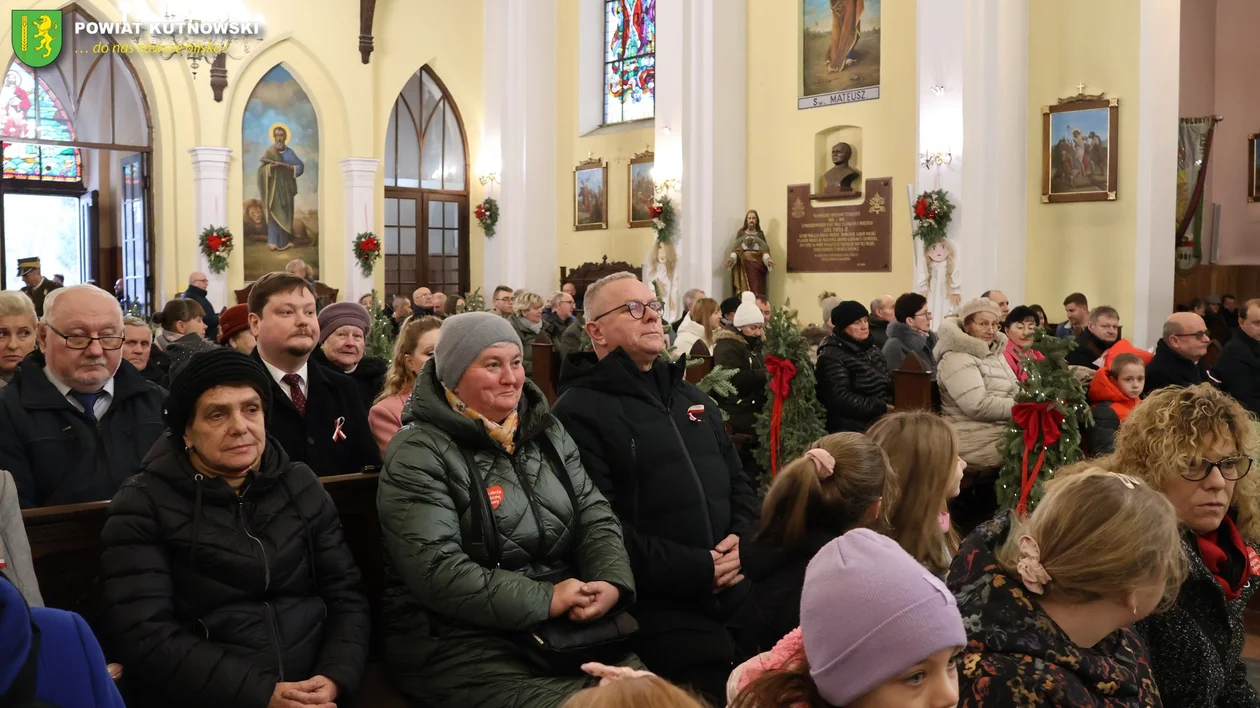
x: 1159, y: 32
x: 940, y: 90
x: 210, y: 172
x: 701, y: 124
x: 359, y: 177
x: 520, y: 129
x: 995, y: 135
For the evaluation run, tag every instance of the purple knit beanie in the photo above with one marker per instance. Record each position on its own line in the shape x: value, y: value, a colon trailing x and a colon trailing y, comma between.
x: 343, y: 313
x: 868, y: 612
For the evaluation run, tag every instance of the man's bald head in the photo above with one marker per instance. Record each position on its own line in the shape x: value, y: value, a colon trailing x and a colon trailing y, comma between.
x: 882, y: 308
x: 198, y: 278
x: 73, y: 298
x: 1186, y: 334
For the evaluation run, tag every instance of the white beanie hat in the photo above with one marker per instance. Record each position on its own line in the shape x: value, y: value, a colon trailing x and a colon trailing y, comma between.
x: 747, y: 313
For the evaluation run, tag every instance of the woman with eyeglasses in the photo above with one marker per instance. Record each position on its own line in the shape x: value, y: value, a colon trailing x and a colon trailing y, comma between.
x: 1197, y: 446
x: 1179, y: 354
x: 977, y: 385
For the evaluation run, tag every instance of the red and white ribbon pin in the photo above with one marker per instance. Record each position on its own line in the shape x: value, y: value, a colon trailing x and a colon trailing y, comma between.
x: 337, y: 434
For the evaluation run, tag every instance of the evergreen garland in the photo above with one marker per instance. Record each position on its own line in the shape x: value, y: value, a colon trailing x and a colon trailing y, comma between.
x: 802, y: 414
x: 474, y: 302
x: 380, y: 339
x: 1049, y: 380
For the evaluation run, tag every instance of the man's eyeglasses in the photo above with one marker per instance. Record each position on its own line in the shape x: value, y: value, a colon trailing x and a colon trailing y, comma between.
x: 1201, y: 334
x: 637, y: 309
x: 79, y: 341
x: 1232, y: 468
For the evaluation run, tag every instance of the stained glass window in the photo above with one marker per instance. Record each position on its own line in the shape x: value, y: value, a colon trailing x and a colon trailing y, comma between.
x: 629, y: 60
x: 32, y: 110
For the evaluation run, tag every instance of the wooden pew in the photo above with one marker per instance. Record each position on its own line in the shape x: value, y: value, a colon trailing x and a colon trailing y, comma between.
x: 546, y: 360
x: 66, y: 552
x: 912, y: 386
x: 696, y: 372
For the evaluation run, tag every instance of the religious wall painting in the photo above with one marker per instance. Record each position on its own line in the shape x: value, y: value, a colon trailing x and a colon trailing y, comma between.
x: 590, y: 195
x: 642, y: 190
x: 280, y: 158
x: 1080, y: 158
x: 1253, y: 168
x: 840, y: 52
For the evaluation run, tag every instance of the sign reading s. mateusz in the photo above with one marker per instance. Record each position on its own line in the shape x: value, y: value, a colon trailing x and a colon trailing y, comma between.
x: 37, y: 36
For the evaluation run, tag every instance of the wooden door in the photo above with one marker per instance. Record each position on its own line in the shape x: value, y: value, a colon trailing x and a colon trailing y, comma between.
x: 444, y: 257
x: 137, y: 265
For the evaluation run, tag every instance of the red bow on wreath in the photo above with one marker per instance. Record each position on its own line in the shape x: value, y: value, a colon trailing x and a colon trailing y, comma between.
x: 781, y: 371
x: 213, y: 241
x: 368, y: 244
x: 657, y: 210
x: 1037, y: 420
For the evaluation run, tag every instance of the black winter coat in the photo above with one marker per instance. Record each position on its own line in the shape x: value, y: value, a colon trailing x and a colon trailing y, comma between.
x: 309, y: 439
x: 879, y: 332
x: 55, y: 453
x: 212, y: 597
x: 554, y: 326
x: 853, y: 383
x: 735, y: 351
x: 211, y: 318
x: 774, y: 606
x: 1102, y: 434
x: 368, y: 376
x: 656, y: 446
x: 1169, y: 368
x: 158, y: 369
x: 1088, y: 350
x: 1238, y: 370
x: 1196, y: 646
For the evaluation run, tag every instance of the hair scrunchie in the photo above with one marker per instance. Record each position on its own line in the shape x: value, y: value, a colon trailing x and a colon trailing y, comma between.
x: 1029, y: 566
x: 824, y: 463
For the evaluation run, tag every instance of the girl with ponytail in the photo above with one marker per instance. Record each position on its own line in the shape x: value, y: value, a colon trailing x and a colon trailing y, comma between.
x: 843, y: 481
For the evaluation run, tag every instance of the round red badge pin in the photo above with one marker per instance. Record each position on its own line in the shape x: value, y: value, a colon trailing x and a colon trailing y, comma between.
x: 496, y: 496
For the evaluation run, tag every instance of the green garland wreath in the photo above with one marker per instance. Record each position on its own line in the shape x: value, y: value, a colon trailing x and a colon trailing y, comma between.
x: 932, y: 213
x: 216, y: 245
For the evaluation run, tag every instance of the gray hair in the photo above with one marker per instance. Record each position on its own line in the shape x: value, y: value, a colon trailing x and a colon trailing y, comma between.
x: 595, y: 290
x: 16, y: 304
x: 132, y: 321
x: 526, y: 301
x: 878, y: 303
x: 1170, y: 328
x: 690, y: 297
x: 51, y: 300
x: 556, y: 297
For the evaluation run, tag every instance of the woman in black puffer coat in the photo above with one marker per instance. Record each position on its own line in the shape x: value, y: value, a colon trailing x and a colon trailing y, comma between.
x: 226, y: 578
x: 853, y: 380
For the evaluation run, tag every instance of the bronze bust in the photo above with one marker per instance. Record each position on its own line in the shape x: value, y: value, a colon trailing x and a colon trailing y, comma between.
x: 839, y: 179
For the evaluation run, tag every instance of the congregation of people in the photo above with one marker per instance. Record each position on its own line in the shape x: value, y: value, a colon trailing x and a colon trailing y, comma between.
x: 613, y: 548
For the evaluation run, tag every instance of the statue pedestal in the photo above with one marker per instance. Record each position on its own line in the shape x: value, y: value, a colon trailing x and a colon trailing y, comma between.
x: 836, y: 195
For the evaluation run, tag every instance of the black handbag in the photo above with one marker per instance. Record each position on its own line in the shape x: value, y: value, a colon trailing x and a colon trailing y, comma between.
x: 559, y: 644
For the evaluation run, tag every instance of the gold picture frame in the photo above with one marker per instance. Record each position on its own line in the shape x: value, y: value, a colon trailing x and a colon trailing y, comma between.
x: 1253, y: 167
x: 1080, y: 157
x: 640, y: 189
x: 590, y: 195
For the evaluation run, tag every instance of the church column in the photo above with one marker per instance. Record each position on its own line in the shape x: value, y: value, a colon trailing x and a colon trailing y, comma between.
x: 701, y: 122
x: 995, y: 156
x: 518, y: 144
x: 210, y: 174
x: 359, y: 177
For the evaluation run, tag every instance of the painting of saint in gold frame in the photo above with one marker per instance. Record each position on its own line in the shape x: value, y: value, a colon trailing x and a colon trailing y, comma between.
x: 590, y: 195
x: 1080, y: 158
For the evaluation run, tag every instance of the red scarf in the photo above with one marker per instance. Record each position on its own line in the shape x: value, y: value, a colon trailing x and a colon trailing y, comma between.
x: 1215, y: 556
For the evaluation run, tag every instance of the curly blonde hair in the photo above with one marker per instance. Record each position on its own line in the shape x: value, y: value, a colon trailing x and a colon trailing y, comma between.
x: 1174, y: 425
x: 1101, y: 534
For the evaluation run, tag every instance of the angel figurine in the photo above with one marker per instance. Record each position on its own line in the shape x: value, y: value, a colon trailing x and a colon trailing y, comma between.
x: 750, y: 260
x: 938, y: 281
x: 660, y: 268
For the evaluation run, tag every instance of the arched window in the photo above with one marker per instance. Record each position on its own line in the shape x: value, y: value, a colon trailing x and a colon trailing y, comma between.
x: 426, y: 191
x: 32, y: 110
x: 629, y: 60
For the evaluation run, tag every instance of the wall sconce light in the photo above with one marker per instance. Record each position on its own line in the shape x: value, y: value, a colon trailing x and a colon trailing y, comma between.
x: 937, y: 89
x: 488, y: 178
x: 936, y: 159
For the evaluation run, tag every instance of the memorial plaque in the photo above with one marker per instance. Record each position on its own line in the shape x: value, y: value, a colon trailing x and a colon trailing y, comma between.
x: 856, y: 238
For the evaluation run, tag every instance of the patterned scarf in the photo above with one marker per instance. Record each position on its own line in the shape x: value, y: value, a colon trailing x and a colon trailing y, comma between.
x: 502, y: 433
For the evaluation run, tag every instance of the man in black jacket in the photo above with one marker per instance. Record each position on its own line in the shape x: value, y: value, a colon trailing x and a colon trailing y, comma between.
x: 318, y: 417
x: 656, y: 447
x: 882, y: 313
x: 1238, y: 366
x: 197, y: 284
x: 1179, y: 355
x: 1093, y: 342
x: 77, y: 419
x: 558, y: 317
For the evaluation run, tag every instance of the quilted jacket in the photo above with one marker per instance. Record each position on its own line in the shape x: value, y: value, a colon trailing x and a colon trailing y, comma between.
x: 733, y: 351
x: 853, y: 383
x: 977, y: 391
x: 448, y: 613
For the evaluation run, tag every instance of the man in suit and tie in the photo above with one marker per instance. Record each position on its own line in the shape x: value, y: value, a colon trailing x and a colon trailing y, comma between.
x: 318, y: 415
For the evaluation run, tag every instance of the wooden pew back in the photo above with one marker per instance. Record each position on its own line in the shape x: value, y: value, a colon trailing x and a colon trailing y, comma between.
x: 696, y: 372
x: 912, y: 386
x: 546, y: 359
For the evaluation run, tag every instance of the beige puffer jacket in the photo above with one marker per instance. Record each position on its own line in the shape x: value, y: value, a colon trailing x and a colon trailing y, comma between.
x: 977, y: 391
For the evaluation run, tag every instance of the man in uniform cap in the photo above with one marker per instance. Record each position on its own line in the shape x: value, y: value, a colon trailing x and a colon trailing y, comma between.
x: 37, y: 286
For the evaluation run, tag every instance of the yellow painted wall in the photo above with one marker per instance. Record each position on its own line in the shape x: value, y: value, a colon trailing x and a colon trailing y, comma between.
x: 619, y: 242
x: 781, y: 144
x: 318, y: 41
x: 1087, y: 246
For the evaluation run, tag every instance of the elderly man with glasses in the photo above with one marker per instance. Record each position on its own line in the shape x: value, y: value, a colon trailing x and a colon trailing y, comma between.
x: 657, y: 448
x: 77, y: 420
x: 1179, y: 355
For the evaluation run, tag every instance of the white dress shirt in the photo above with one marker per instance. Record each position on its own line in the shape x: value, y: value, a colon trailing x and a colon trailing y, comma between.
x: 278, y: 375
x: 101, y: 405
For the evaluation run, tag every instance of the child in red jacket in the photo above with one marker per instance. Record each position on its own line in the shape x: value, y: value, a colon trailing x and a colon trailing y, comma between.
x: 1114, y: 392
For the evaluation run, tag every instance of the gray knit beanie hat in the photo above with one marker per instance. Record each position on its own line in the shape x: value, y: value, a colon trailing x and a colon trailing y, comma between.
x: 464, y: 338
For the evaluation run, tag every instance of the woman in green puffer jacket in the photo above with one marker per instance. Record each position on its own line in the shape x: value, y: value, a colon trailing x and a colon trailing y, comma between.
x: 453, y: 619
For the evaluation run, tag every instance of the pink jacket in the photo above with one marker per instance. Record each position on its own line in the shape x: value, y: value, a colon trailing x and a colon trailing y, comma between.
x: 386, y: 419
